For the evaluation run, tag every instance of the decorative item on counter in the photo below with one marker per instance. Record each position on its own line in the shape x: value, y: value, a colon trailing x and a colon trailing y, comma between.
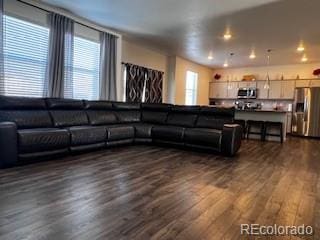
x: 248, y: 78
x: 217, y: 76
x: 298, y: 77
x: 317, y: 72
x: 282, y: 77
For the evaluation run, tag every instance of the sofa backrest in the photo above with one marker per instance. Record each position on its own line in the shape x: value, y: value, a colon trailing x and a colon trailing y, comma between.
x: 215, y: 117
x: 127, y: 112
x: 25, y: 112
x: 67, y: 112
x: 100, y: 113
x: 184, y: 116
x: 155, y: 113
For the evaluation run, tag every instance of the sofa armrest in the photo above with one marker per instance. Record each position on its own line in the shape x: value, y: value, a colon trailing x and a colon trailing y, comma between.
x: 231, y: 139
x: 8, y: 144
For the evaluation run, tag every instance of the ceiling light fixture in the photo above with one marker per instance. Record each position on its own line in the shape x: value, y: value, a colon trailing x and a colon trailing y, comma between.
x: 252, y: 55
x: 300, y: 48
x: 227, y: 35
x: 304, y: 58
x: 210, y: 57
x: 226, y: 64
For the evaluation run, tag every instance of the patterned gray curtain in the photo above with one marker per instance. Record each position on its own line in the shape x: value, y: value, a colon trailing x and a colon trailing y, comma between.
x: 60, y: 59
x: 135, y: 80
x: 108, y: 62
x: 1, y: 50
x: 154, y: 81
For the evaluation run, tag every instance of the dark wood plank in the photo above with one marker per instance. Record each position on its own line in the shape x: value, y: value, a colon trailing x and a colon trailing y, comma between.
x: 149, y: 192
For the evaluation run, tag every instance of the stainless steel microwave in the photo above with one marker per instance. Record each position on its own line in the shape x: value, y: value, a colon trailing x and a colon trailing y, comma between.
x: 247, y: 93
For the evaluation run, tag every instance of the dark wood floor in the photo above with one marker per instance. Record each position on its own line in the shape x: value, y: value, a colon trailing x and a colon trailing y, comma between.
x: 147, y: 192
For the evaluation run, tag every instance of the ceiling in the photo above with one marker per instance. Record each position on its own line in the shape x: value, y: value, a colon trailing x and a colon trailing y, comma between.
x: 193, y: 29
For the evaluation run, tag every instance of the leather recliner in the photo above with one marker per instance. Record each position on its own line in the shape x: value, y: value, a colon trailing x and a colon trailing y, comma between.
x: 35, y: 128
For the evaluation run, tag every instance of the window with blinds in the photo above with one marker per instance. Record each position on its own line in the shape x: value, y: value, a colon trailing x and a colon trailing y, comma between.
x: 85, y: 70
x: 25, y: 57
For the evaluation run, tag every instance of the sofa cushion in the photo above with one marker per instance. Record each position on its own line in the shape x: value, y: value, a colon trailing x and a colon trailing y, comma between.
x: 170, y: 133
x: 27, y: 118
x: 101, y: 117
x: 22, y: 103
x: 203, y: 137
x: 126, y: 106
x: 120, y: 132
x: 154, y: 117
x: 212, y: 122
x: 127, y: 112
x: 25, y: 112
x: 213, y: 117
x: 98, y: 105
x: 64, y: 104
x: 143, y: 130
x: 181, y: 119
x: 42, y: 139
x: 68, y: 118
x: 82, y: 135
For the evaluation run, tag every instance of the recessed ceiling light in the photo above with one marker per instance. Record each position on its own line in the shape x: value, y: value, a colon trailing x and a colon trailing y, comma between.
x: 300, y: 48
x: 226, y: 64
x: 210, y: 57
x: 227, y: 36
x: 252, y: 55
x: 304, y: 58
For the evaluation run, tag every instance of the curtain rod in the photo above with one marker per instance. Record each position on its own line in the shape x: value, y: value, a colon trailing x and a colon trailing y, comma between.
x: 48, y: 11
x: 124, y: 63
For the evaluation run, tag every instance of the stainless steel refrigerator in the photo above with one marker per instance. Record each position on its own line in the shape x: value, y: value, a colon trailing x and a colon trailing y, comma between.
x: 306, y: 112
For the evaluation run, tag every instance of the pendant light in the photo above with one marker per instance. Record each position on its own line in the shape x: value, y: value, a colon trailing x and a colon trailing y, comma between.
x: 229, y: 84
x: 267, y: 83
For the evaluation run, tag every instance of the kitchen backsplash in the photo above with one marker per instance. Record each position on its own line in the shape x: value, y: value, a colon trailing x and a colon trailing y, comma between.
x: 265, y: 104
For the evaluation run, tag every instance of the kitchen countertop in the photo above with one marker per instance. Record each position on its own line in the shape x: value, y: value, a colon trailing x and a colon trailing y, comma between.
x: 262, y: 110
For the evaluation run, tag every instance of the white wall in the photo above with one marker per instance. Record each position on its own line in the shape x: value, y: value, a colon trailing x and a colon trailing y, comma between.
x: 204, y: 77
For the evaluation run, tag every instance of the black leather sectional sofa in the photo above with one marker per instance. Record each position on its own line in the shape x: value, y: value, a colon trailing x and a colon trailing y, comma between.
x: 34, y: 128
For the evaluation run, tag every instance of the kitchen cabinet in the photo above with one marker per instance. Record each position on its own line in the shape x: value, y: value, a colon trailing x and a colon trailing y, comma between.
x: 287, y: 88
x: 247, y: 84
x: 275, y: 90
x: 315, y: 83
x: 218, y: 90
x: 262, y: 92
x: 283, y: 89
x: 302, y: 83
x: 233, y: 90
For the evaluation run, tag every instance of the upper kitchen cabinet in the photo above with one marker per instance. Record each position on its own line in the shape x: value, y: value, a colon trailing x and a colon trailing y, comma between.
x: 302, y: 83
x: 287, y: 88
x: 275, y: 91
x: 315, y: 83
x: 219, y: 90
x: 283, y: 89
x: 263, y: 93
x: 232, y: 90
x: 247, y: 84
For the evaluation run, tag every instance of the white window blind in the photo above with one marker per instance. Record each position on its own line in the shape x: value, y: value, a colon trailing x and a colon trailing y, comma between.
x: 25, y: 57
x: 191, y: 88
x: 86, y: 63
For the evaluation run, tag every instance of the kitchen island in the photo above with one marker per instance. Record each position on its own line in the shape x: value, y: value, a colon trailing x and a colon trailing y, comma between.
x: 264, y: 115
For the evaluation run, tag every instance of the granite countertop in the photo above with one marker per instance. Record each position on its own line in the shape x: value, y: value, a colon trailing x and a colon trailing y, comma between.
x: 262, y: 110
